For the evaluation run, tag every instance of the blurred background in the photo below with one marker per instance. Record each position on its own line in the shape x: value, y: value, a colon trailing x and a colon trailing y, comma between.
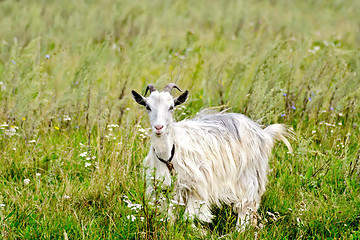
x: 70, y: 128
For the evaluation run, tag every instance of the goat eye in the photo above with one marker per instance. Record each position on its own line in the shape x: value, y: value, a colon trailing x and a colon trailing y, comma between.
x: 171, y: 108
x: 148, y: 108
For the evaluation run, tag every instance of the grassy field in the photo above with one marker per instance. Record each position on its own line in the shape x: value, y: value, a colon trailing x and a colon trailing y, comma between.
x: 72, y: 139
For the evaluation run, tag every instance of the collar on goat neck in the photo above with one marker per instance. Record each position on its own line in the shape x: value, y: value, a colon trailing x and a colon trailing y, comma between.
x: 168, y: 163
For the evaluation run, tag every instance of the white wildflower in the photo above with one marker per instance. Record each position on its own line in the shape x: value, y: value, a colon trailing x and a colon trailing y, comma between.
x: 136, y: 207
x: 132, y: 206
x: 83, y: 154
x: 112, y: 125
x: 132, y: 217
x: 32, y: 141
x: 272, y: 215
x: 26, y: 181
x: 11, y: 131
x: 38, y: 174
x: 2, y: 205
x: 66, y: 196
x: 66, y: 118
x: 87, y: 164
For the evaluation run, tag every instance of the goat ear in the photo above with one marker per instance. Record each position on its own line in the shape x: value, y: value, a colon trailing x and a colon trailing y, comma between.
x: 138, y: 98
x: 182, y: 98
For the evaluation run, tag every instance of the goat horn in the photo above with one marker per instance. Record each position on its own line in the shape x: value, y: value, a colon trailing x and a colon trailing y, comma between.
x: 170, y: 86
x: 151, y: 88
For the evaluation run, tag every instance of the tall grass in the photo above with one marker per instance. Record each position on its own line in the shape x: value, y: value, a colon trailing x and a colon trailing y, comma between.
x: 72, y: 140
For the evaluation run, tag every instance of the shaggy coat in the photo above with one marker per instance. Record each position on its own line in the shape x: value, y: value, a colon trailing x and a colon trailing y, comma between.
x: 218, y: 158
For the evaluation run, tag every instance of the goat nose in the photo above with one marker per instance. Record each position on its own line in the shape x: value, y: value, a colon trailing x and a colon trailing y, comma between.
x: 158, y: 127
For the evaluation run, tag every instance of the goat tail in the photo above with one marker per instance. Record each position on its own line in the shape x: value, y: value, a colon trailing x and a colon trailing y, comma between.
x: 281, y: 133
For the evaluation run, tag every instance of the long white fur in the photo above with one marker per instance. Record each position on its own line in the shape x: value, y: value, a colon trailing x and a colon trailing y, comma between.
x: 219, y: 158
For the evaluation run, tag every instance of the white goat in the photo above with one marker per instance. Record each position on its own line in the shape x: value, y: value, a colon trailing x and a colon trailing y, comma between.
x: 217, y: 158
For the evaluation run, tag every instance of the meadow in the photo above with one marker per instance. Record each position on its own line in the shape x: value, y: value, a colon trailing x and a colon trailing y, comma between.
x: 72, y: 139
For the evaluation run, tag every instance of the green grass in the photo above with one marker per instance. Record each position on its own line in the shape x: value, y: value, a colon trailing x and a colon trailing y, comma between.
x: 260, y: 58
